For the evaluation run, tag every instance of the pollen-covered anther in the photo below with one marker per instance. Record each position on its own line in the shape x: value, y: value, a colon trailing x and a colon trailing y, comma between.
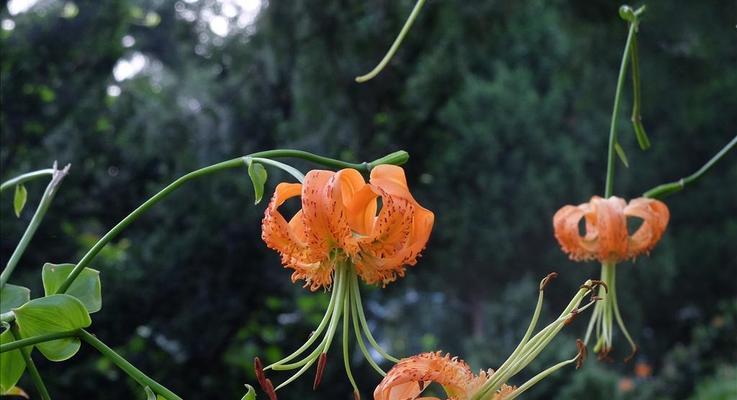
x: 582, y: 353
x: 545, y: 281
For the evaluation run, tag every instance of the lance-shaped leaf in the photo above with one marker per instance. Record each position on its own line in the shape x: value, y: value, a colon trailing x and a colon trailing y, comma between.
x: 87, y: 287
x: 258, y: 175
x: 57, y: 313
x: 19, y: 199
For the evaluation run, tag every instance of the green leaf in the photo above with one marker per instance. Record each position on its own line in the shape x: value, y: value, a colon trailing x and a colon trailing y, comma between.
x: 12, y: 296
x: 620, y: 153
x: 640, y: 134
x: 87, y: 287
x: 258, y: 175
x: 250, y: 394
x: 19, y: 199
x: 56, y: 313
x: 12, y: 365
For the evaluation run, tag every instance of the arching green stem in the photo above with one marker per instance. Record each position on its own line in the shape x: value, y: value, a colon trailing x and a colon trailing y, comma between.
x: 234, y: 163
x: 666, y: 189
x: 126, y: 366
x: 393, y: 49
x: 25, y: 178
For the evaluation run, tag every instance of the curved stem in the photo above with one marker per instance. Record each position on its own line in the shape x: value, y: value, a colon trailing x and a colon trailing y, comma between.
x: 321, y: 327
x: 672, y: 187
x: 613, y: 127
x: 395, y: 45
x: 346, y: 353
x: 236, y: 162
x: 32, y: 370
x: 43, y: 206
x: 27, y: 342
x: 618, y: 316
x: 284, y: 167
x: 364, y: 324
x: 126, y: 366
x: 25, y: 178
x: 359, y: 339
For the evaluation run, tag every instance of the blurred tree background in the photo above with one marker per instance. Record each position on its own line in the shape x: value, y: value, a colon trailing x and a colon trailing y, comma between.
x: 504, y: 108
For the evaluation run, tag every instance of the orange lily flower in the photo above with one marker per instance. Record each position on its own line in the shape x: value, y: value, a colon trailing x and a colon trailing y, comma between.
x: 606, y: 238
x: 340, y: 221
x: 347, y: 228
x: 410, y: 376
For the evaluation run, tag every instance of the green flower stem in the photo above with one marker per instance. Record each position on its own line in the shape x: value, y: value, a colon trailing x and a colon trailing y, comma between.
x: 313, y: 337
x: 537, y: 378
x: 25, y: 178
x: 530, y: 329
x: 359, y: 339
x: 32, y: 370
x: 364, y: 324
x: 234, y: 163
x: 636, y: 117
x: 27, y: 342
x: 43, y: 206
x: 531, y: 349
x: 666, y: 189
x: 327, y: 340
x: 339, y: 289
x: 395, y: 46
x: 618, y: 316
x: 284, y: 167
x: 613, y: 127
x: 126, y: 366
x: 346, y: 351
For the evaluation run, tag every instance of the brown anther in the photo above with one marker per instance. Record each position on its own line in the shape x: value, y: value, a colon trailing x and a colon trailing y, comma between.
x: 596, y: 283
x: 356, y: 395
x: 603, y: 354
x: 544, y: 283
x: 320, y: 369
x: 582, y: 353
x: 574, y: 314
x: 260, y: 376
x: 269, y: 389
x: 632, y: 354
x: 422, y: 385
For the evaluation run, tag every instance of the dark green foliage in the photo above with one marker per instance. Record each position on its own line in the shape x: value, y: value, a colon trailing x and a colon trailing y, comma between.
x: 504, y: 109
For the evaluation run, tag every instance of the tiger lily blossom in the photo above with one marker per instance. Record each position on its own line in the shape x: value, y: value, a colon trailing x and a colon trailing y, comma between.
x: 607, y: 240
x: 411, y: 376
x: 346, y: 229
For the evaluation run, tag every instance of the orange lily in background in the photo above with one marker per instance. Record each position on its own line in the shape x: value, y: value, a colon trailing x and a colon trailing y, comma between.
x: 411, y: 376
x: 607, y: 239
x: 347, y: 228
x: 338, y: 223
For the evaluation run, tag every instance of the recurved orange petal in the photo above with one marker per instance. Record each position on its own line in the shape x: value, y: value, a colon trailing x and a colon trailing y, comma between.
x: 410, y: 376
x: 607, y: 238
x: 655, y: 216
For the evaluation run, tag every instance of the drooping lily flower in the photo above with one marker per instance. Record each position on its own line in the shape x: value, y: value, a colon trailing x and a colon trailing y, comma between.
x: 340, y: 222
x: 410, y: 377
x: 607, y: 239
x: 347, y: 228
